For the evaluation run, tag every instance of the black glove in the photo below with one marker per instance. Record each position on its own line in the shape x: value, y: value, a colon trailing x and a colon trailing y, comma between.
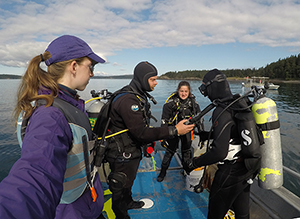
x: 189, y: 166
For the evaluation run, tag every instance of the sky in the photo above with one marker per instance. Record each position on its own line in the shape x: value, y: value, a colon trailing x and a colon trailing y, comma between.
x: 174, y: 35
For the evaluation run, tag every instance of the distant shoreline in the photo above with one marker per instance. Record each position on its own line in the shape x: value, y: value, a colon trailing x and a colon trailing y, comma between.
x: 6, y: 76
x: 270, y: 80
x: 235, y: 79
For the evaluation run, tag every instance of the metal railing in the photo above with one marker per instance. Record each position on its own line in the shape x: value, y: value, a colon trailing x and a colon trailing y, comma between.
x: 291, y: 172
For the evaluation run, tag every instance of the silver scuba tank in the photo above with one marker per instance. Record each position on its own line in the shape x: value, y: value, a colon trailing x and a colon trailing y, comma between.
x: 93, y: 111
x: 271, y: 173
x: 94, y: 108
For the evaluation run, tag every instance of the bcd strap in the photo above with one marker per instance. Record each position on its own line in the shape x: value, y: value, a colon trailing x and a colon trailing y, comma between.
x: 269, y: 125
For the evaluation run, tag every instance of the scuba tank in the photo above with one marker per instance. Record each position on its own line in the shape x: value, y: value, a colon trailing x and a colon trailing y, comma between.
x: 94, y: 108
x: 265, y: 114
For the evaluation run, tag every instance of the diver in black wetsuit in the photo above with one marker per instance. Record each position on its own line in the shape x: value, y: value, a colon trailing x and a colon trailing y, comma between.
x: 180, y: 105
x: 130, y: 115
x: 230, y: 188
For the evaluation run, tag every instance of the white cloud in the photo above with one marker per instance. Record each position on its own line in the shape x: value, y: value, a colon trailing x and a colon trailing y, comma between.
x: 100, y: 73
x: 116, y: 64
x: 27, y: 27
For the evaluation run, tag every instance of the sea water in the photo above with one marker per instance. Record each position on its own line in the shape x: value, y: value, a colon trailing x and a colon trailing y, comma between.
x: 287, y: 99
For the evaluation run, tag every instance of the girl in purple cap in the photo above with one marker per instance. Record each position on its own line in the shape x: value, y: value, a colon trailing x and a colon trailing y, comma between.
x: 55, y: 177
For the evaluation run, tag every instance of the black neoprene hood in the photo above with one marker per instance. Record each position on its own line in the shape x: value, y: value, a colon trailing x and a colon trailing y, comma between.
x: 217, y: 85
x: 142, y: 72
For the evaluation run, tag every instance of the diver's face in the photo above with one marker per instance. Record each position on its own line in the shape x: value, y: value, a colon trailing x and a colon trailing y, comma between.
x: 184, y: 92
x: 152, y: 82
x: 83, y: 74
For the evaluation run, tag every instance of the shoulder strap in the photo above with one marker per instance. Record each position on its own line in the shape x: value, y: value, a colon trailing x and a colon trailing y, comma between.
x: 104, y: 114
x: 171, y: 96
x: 72, y: 114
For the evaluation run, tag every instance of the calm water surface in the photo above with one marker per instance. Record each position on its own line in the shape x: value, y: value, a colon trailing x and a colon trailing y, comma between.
x: 287, y: 98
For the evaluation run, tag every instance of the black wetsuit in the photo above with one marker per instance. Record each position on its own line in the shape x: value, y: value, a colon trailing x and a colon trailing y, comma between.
x: 132, y: 112
x: 230, y: 189
x: 125, y: 150
x: 175, y: 110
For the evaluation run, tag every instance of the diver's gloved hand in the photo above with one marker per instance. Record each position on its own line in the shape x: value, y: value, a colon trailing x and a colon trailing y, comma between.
x: 189, y: 166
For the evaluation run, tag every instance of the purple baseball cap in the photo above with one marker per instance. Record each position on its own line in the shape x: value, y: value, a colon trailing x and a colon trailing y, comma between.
x: 68, y: 47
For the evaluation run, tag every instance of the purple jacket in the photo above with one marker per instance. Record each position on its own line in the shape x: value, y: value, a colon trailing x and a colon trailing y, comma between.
x: 35, y: 183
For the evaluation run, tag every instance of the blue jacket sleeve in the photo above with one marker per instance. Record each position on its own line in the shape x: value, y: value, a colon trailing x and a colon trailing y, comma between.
x: 34, y: 185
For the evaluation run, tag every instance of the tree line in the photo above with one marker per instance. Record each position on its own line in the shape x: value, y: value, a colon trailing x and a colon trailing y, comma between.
x: 7, y: 76
x: 283, y: 69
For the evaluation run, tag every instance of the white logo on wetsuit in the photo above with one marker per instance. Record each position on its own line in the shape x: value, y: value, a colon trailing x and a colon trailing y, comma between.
x: 245, y: 136
x: 134, y: 108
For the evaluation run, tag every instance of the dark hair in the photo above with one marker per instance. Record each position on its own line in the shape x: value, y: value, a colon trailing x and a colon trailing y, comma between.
x: 184, y: 83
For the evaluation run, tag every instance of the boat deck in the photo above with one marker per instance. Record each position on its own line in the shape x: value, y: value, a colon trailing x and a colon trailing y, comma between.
x: 170, y: 197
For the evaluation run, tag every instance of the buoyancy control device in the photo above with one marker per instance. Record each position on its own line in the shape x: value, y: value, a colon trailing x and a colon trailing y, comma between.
x: 250, y: 139
x: 101, y: 120
x: 80, y: 155
x: 269, y: 152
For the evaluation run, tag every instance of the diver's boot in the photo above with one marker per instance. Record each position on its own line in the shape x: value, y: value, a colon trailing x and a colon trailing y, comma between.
x: 162, y: 174
x: 164, y: 165
x: 135, y: 205
x: 131, y: 204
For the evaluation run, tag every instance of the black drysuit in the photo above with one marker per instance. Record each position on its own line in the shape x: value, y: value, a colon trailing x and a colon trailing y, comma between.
x: 132, y: 112
x: 229, y: 188
x: 175, y: 110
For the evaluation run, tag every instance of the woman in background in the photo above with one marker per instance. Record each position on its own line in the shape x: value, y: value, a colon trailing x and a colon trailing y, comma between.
x: 180, y: 105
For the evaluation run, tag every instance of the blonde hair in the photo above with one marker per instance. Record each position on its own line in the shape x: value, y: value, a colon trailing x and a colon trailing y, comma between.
x: 35, y: 79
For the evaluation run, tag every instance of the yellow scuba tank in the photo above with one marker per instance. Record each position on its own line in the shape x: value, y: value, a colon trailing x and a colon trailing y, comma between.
x: 271, y: 173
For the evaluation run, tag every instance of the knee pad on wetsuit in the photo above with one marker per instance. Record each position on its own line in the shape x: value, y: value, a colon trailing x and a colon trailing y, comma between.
x: 117, y: 181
